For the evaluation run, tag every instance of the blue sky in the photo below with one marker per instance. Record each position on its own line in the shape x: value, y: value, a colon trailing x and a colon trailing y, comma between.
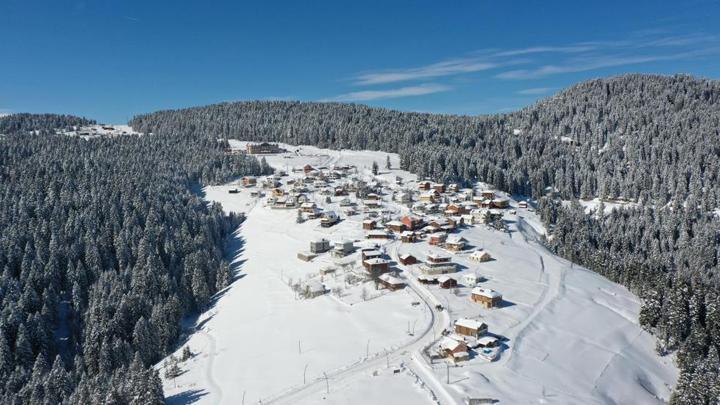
x: 109, y: 60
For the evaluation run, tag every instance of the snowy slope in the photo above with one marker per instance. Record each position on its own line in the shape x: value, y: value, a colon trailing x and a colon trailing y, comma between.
x: 571, y: 336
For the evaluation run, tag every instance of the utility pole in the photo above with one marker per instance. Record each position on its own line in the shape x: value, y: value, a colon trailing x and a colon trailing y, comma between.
x: 243, y: 398
x: 447, y: 367
x: 367, y: 349
x: 305, y: 372
x: 327, y: 383
x: 299, y: 348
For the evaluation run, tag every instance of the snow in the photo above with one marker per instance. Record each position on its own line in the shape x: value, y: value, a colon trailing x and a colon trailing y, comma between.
x: 565, y: 334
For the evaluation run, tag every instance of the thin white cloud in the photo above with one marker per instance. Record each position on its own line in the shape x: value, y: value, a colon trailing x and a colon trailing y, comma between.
x: 408, y: 91
x: 548, y: 49
x: 440, y: 69
x: 535, y: 91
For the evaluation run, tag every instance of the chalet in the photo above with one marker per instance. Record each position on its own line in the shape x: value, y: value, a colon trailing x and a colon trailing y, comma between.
x: 411, y: 222
x: 453, y: 349
x: 500, y: 203
x: 407, y: 259
x: 369, y: 224
x: 403, y: 198
x: 424, y: 185
x: 306, y: 256
x: 314, y: 289
x: 437, y: 238
x: 340, y: 191
x: 480, y: 256
x: 372, y: 203
x: 447, y: 282
x: 471, y: 279
x: 320, y: 246
x: 391, y: 282
x: 395, y: 226
x: 436, y: 263
x: 429, y: 196
x: 378, y: 234
x: 455, y: 221
x: 487, y: 341
x: 453, y: 187
x: 278, y: 192
x: 329, y: 219
x: 441, y: 224
x: 307, y: 169
x: 343, y: 248
x: 469, y: 219
x: 408, y: 237
x: 249, y: 181
x: 487, y: 194
x: 308, y: 207
x: 438, y: 187
x: 263, y: 148
x: 470, y: 327
x: 370, y: 254
x: 376, y: 266
x: 522, y: 204
x: 455, y: 243
x: 315, y: 213
x: 431, y: 208
x: 372, y: 196
x: 454, y: 209
x: 486, y: 297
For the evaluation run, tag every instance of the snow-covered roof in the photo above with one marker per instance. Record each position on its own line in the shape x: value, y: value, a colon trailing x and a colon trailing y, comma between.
x: 390, y: 279
x: 447, y: 343
x: 437, y: 256
x: 487, y: 340
x: 376, y: 260
x: 444, y: 279
x: 394, y: 223
x: 456, y: 239
x: 406, y: 255
x: 471, y: 323
x: 486, y: 292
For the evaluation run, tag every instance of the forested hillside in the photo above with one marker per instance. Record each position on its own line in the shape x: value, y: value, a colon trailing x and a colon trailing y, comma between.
x: 651, y: 139
x: 103, y: 249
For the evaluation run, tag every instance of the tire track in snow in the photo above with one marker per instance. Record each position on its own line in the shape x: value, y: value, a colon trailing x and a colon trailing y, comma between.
x: 214, y: 387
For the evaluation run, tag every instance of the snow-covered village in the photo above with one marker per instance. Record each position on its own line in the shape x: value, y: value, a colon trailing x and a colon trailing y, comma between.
x: 353, y: 273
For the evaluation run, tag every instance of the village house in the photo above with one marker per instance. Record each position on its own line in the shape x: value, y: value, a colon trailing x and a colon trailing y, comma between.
x: 378, y: 234
x: 424, y: 185
x: 429, y: 197
x: 471, y: 279
x: 454, y: 209
x: 395, y: 226
x: 372, y: 196
x: 438, y: 187
x: 487, y: 194
x: 391, y: 282
x: 249, y: 181
x: 306, y: 256
x: 487, y: 341
x: 403, y: 197
x: 346, y: 202
x: 437, y: 238
x: 455, y: 350
x: 340, y: 191
x: 313, y: 289
x: 455, y: 243
x: 447, y: 282
x: 470, y: 327
x: 376, y: 266
x: 480, y: 256
x: 319, y: 246
x: 343, y: 248
x: 307, y: 169
x: 427, y: 279
x: 453, y: 187
x: 372, y: 203
x: 437, y: 263
x: 500, y: 203
x: 408, y: 237
x: 370, y: 254
x: 522, y: 204
x: 369, y: 224
x: 308, y: 207
x: 263, y: 148
x: 329, y: 219
x: 486, y: 297
x: 407, y: 259
x: 411, y: 222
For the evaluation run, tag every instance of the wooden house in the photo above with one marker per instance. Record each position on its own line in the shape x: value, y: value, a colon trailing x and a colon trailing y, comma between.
x: 436, y: 263
x: 376, y: 266
x: 366, y: 254
x: 438, y: 187
x: 411, y: 222
x: 407, y: 259
x: 249, y: 181
x: 522, y: 204
x: 480, y: 256
x: 391, y: 282
x: 307, y: 169
x: 329, y: 219
x: 427, y: 279
x: 455, y: 243
x: 343, y: 248
x: 408, y: 237
x: 395, y: 226
x: 470, y: 327
x: 429, y: 196
x: 500, y: 203
x: 369, y: 224
x: 263, y: 148
x: 437, y: 238
x: 487, y: 194
x: 454, y: 209
x: 424, y: 185
x: 314, y: 289
x: 486, y: 297
x: 308, y: 207
x: 306, y: 256
x: 447, y: 282
x: 455, y: 350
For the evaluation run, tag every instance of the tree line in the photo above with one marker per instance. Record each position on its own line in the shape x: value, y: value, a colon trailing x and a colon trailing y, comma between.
x: 105, y: 248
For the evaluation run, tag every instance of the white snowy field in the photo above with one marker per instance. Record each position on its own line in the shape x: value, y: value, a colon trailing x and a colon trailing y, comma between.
x: 571, y: 336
